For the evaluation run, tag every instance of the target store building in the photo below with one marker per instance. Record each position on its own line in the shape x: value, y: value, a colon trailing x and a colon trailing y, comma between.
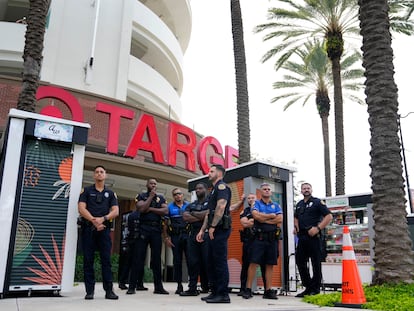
x: 118, y: 66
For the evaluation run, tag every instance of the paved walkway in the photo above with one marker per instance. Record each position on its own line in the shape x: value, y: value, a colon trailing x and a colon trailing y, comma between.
x: 148, y: 301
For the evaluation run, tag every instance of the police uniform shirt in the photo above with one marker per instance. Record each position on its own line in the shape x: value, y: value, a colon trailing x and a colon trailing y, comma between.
x: 98, y: 203
x: 247, y: 212
x: 266, y: 208
x: 157, y: 202
x: 220, y: 191
x: 197, y: 206
x: 175, y: 214
x: 310, y: 213
x: 133, y: 223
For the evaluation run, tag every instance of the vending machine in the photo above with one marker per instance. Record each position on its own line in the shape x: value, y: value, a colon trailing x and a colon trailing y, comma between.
x: 41, y: 168
x: 354, y: 211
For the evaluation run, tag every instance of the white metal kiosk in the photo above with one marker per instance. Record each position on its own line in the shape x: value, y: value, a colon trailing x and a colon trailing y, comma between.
x: 41, y: 177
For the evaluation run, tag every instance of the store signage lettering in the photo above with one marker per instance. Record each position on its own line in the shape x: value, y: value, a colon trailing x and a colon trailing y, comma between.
x: 145, y: 136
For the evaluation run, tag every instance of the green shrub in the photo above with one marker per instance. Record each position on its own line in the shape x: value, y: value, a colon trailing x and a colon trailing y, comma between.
x: 379, y: 297
x: 148, y: 278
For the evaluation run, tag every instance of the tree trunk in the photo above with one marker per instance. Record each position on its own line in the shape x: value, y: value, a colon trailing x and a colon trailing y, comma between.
x: 339, y: 127
x: 32, y: 54
x: 326, y: 155
x: 393, y: 247
x: 243, y: 122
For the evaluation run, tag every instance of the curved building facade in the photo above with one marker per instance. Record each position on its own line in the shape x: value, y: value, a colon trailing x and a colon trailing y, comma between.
x: 117, y: 65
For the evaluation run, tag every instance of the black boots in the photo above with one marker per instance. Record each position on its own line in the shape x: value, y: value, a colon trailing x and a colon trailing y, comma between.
x: 110, y: 295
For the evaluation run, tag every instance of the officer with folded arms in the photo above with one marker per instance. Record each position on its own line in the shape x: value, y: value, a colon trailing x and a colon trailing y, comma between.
x: 268, y: 218
x: 197, y: 252
x: 247, y: 237
x: 152, y: 208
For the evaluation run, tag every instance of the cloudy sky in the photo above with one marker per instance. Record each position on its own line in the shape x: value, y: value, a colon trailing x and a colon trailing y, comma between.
x: 292, y: 137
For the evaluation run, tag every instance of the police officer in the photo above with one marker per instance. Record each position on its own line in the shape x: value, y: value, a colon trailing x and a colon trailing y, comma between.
x: 246, y: 237
x: 129, y: 251
x: 152, y: 208
x: 218, y: 222
x: 265, y: 245
x: 97, y: 206
x: 311, y: 216
x: 176, y: 234
x: 124, y: 254
x: 197, y: 252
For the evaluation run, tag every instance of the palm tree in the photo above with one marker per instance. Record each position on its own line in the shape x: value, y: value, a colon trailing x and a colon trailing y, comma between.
x: 243, y: 122
x: 393, y: 258
x: 333, y: 20
x: 32, y: 54
x: 312, y: 76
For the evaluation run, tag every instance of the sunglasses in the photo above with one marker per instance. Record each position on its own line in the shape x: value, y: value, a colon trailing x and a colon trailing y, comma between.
x: 177, y: 193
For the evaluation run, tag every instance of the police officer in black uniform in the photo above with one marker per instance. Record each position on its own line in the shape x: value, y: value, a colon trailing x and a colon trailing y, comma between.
x: 197, y: 252
x: 152, y: 207
x: 311, y: 217
x: 97, y: 206
x: 124, y: 254
x: 129, y: 250
x: 218, y: 222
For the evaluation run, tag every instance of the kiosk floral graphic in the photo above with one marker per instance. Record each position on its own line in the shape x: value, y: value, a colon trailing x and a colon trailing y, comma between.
x: 65, y: 173
x: 42, y: 215
x: 52, y: 268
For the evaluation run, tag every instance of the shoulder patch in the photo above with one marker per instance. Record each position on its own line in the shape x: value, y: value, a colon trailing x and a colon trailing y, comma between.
x: 116, y: 197
x: 323, y: 202
x: 221, y: 187
x: 83, y: 190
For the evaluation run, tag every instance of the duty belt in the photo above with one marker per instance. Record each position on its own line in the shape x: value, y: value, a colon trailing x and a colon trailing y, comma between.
x: 178, y: 230
x: 151, y: 223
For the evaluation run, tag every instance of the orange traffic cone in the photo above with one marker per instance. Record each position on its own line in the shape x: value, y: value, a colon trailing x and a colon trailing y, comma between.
x: 352, y: 291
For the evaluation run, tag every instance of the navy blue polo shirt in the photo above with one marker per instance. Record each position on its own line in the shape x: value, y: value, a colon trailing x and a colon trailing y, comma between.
x: 220, y: 191
x: 247, y: 212
x: 98, y: 203
x: 197, y: 206
x: 310, y: 213
x: 266, y: 208
x: 156, y: 202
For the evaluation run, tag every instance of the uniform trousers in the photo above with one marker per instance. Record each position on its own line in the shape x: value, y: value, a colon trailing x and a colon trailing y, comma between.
x: 149, y: 236
x: 180, y: 248
x: 309, y: 247
x: 93, y: 240
x: 197, y: 261
x: 247, y: 244
x: 218, y: 269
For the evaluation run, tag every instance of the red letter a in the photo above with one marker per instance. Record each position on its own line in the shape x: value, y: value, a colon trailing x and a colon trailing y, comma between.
x: 145, y: 125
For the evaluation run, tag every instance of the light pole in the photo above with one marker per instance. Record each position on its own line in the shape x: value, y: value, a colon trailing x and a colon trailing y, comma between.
x: 405, y: 162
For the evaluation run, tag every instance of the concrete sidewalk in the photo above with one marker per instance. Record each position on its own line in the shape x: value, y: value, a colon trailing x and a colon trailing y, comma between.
x: 146, y: 300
